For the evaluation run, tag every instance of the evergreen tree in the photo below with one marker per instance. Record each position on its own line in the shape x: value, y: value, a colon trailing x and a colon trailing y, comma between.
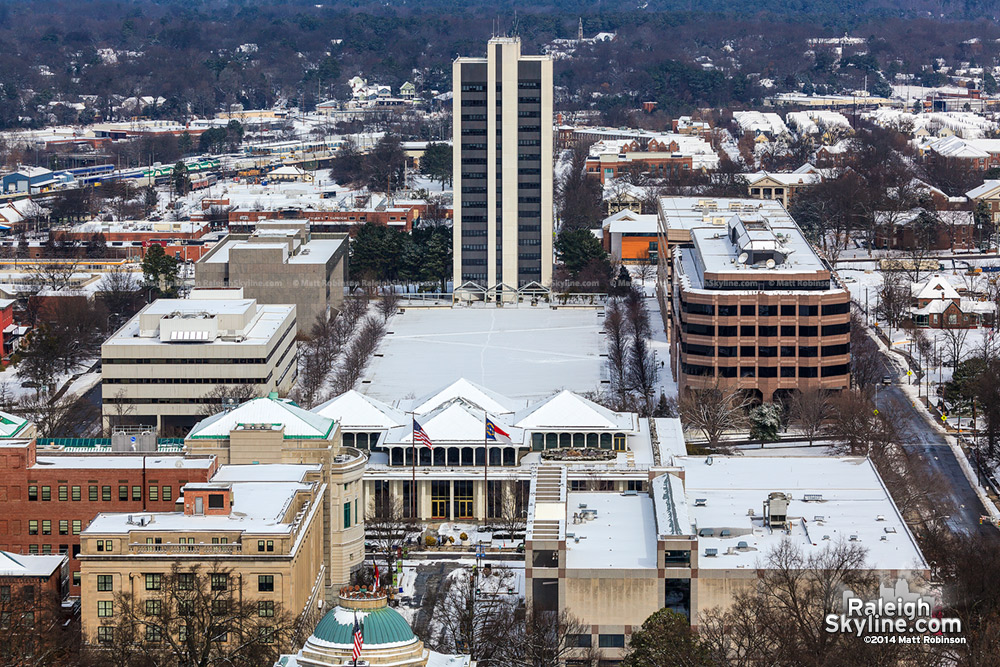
x: 436, y: 163
x: 181, y: 179
x: 577, y: 247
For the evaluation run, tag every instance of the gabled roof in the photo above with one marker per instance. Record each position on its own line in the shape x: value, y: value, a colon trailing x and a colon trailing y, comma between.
x: 935, y: 287
x: 16, y: 565
x: 451, y: 423
x: 469, y: 393
x: 987, y: 189
x: 628, y: 221
x: 784, y: 178
x: 353, y: 410
x: 567, y: 410
x: 278, y: 412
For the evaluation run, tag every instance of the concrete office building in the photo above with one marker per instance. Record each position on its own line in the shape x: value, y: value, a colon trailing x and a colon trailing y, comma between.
x: 699, y: 535
x: 163, y: 366
x: 281, y: 262
x: 748, y: 300
x: 503, y: 168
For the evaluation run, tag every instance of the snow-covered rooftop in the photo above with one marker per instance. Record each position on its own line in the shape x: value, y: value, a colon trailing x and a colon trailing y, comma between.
x: 618, y: 531
x: 847, y: 501
x: 20, y: 565
x: 522, y: 353
x: 278, y: 413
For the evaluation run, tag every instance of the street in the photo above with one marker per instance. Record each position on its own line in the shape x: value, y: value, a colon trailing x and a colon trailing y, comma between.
x: 958, y: 500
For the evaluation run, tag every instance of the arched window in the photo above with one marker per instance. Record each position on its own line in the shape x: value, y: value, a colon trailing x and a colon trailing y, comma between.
x: 479, y: 456
x: 361, y: 440
x: 592, y: 440
x: 579, y: 440
x: 551, y: 440
x: 439, y: 455
x: 619, y: 442
x: 453, y: 456
x: 509, y: 456
x: 496, y: 456
x: 424, y: 457
x: 397, y: 456
x: 467, y: 454
x: 348, y: 440
x: 537, y: 441
x: 565, y: 440
x: 605, y: 441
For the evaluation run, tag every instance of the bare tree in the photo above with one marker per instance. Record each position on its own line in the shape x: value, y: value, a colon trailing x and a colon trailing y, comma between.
x: 809, y: 410
x: 120, y: 290
x: 615, y: 329
x: 32, y: 632
x: 547, y: 638
x: 389, y: 303
x: 714, y: 411
x: 646, y: 269
x: 867, y: 367
x: 476, y: 615
x: 954, y: 339
x: 894, y: 298
x: 386, y: 528
x: 642, y: 372
x: 225, y: 396
x: 512, y: 519
x: 198, y: 616
x: 795, y: 592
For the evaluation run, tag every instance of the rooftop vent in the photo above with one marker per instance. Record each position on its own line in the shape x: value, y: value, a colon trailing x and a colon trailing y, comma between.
x: 700, y: 502
x: 742, y: 545
x: 813, y: 497
x: 880, y: 518
x: 725, y: 533
x: 818, y: 517
x: 711, y: 552
x: 706, y: 532
x: 890, y: 529
x: 853, y: 538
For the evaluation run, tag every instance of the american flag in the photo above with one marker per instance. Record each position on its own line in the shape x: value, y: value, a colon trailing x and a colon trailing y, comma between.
x: 419, y: 435
x: 359, y: 639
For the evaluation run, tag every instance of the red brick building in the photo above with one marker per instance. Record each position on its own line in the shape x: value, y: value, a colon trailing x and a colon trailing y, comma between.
x: 34, y: 577
x: 50, y: 496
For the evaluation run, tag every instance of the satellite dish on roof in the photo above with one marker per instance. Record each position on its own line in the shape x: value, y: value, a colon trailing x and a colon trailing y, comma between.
x: 769, y: 263
x: 742, y: 259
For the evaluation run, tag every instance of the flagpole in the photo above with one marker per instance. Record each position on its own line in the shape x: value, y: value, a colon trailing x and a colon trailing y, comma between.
x: 413, y: 461
x: 486, y: 468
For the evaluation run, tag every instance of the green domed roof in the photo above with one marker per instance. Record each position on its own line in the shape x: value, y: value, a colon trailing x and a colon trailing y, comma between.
x: 380, y: 626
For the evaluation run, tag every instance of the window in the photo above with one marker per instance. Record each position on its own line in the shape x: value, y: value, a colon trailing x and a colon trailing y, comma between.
x: 63, y: 494
x: 104, y: 545
x: 767, y: 311
x: 837, y: 308
x: 104, y: 582
x: 105, y: 634
x: 182, y: 632
x: 153, y: 581
x: 767, y: 331
x: 265, y: 608
x: 767, y: 371
x: 808, y: 311
x: 153, y: 633
x: 46, y: 493
x: 33, y: 493
x: 265, y: 583
x: 836, y: 329
x: 788, y: 371
x: 185, y: 608
x: 807, y: 371
x: 788, y: 350
x: 220, y: 582
x: 153, y: 607
x: 167, y: 493
x: 33, y: 549
x: 267, y: 634
x: 105, y: 609
x: 746, y: 330
x: 788, y: 311
x: 64, y: 527
x: 106, y: 493
x: 747, y: 372
x: 745, y: 311
x: 32, y: 526
x: 74, y: 494
x: 727, y: 330
x: 747, y: 351
x: 787, y: 330
x: 220, y: 607
x: 216, y: 501
x: 611, y: 641
x: 77, y: 526
x: 123, y: 493
x: 727, y: 311
x: 767, y: 351
x: 137, y: 493
x: 808, y: 331
x: 185, y: 581
x: 92, y: 494
x: 347, y: 515
x: 579, y: 641
x: 46, y: 527
x: 46, y: 549
x: 154, y: 494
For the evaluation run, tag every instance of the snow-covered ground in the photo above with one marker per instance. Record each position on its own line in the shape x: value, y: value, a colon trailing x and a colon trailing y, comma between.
x: 521, y: 352
x: 658, y: 341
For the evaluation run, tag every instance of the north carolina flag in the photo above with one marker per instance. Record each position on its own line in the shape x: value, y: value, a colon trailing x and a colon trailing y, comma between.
x: 494, y: 433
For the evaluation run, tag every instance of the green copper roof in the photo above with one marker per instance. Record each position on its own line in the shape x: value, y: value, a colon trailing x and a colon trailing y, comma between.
x: 381, y: 626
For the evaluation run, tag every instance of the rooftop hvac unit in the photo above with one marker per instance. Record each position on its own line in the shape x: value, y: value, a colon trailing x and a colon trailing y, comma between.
x: 700, y: 502
x: 853, y: 538
x: 711, y: 552
x: 812, y: 497
x: 775, y: 509
x: 742, y: 545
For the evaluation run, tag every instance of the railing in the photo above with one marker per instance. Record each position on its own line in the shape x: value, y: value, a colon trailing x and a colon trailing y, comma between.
x: 235, y: 548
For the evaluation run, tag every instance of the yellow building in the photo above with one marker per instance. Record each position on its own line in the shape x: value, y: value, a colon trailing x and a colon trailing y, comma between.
x: 260, y: 527
x: 274, y: 430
